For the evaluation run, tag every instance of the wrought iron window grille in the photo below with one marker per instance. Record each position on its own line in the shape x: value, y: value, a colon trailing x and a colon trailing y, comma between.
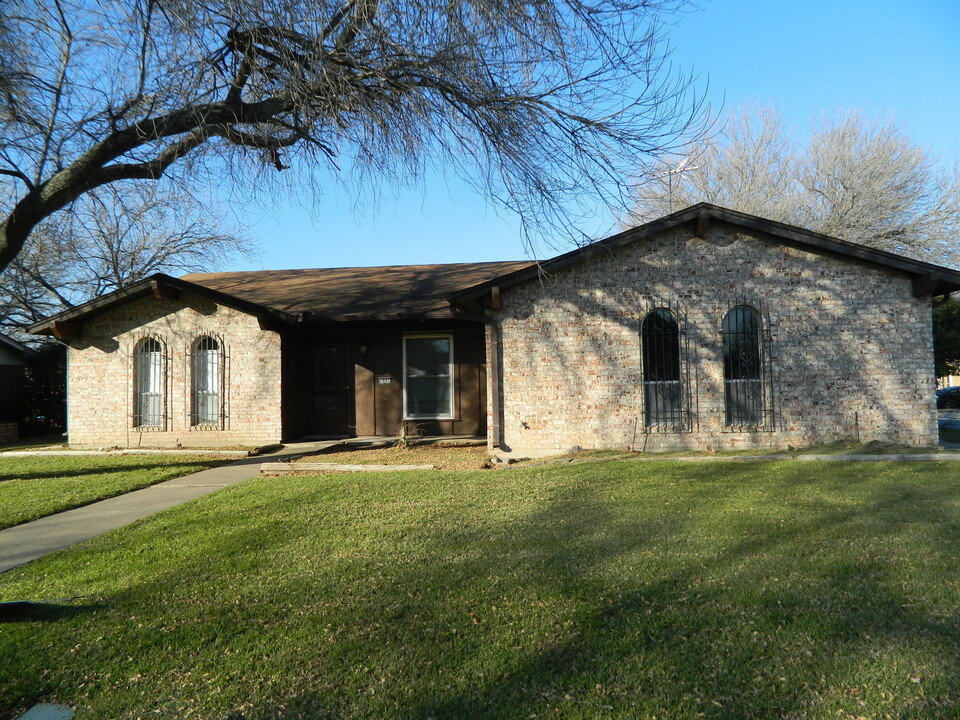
x: 665, y: 372
x: 207, y: 361
x: 150, y: 384
x: 747, y: 371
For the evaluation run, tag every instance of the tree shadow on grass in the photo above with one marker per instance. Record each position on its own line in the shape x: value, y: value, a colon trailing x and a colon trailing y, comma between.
x: 44, y: 612
x: 688, y: 642
x: 689, y: 600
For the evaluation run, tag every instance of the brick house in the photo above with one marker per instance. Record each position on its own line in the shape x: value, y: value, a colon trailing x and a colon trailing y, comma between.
x: 707, y: 328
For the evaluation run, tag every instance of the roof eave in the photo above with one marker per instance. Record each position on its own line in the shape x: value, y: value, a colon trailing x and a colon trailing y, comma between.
x: 160, y: 286
x: 14, y: 345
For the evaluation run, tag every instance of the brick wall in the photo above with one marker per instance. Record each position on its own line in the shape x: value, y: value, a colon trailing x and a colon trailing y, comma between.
x: 847, y: 348
x: 100, y: 379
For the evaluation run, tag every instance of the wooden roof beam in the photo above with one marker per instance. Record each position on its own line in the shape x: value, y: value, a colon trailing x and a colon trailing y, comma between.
x: 923, y: 285
x: 703, y: 222
x: 63, y: 330
x: 162, y: 291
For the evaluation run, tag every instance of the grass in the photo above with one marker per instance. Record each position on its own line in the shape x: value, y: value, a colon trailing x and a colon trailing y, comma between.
x: 33, y: 487
x: 598, y: 590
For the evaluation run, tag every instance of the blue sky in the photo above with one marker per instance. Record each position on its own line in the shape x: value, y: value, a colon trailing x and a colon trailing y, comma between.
x: 885, y: 56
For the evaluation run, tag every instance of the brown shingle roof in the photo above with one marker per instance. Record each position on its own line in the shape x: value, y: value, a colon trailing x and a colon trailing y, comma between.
x: 396, y: 291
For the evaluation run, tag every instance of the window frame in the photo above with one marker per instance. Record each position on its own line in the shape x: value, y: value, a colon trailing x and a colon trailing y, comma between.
x: 451, y: 374
x: 218, y: 382
x: 158, y: 371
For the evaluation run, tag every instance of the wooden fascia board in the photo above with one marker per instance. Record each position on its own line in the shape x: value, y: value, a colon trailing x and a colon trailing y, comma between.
x: 810, y: 239
x: 93, y: 307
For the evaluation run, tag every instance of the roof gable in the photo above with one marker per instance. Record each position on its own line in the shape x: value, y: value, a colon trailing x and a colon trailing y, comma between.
x: 929, y: 279
x: 160, y: 286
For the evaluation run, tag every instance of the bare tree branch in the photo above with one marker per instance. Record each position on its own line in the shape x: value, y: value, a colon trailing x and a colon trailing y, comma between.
x: 540, y: 104
x: 112, y: 237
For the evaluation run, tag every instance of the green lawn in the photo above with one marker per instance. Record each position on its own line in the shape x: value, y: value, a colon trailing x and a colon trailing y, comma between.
x: 603, y: 590
x: 32, y: 487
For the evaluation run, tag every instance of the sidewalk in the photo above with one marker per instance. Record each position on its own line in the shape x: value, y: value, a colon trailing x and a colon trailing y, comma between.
x: 22, y: 543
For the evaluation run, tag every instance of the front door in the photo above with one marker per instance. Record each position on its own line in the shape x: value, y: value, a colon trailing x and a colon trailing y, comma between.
x: 329, y: 393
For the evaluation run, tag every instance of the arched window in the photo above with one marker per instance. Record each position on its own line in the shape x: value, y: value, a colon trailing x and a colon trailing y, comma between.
x: 148, y: 376
x: 743, y: 367
x: 206, y: 382
x: 662, y: 392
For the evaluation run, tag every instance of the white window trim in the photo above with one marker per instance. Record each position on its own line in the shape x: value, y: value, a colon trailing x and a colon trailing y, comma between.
x: 453, y: 385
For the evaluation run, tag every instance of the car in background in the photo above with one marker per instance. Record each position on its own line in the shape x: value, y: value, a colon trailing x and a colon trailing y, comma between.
x: 948, y: 398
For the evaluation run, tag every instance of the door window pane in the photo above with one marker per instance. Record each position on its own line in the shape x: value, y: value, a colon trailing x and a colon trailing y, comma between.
x: 428, y: 377
x: 327, y: 380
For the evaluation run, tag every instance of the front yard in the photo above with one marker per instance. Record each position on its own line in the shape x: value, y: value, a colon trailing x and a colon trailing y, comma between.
x: 32, y: 487
x: 616, y: 589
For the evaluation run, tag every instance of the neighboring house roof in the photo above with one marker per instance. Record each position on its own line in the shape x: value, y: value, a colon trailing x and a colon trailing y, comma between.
x: 10, y: 348
x: 929, y: 279
x: 290, y: 296
x: 359, y: 293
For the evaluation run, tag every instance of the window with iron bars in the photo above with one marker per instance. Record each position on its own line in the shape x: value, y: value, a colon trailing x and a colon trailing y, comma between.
x: 148, y: 379
x: 207, y: 381
x: 744, y: 369
x: 663, y: 387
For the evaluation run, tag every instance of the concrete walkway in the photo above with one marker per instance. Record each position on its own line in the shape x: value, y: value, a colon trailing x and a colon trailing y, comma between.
x: 22, y: 543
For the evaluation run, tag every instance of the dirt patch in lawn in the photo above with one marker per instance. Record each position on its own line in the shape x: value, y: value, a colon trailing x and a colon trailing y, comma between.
x: 441, y: 457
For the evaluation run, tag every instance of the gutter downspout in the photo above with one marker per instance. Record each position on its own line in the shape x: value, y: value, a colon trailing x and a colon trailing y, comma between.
x: 494, y: 377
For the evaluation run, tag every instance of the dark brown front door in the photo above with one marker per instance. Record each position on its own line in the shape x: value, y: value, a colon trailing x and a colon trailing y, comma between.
x: 329, y: 391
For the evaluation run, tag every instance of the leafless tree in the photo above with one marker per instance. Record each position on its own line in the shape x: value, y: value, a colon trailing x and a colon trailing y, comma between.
x: 855, y: 178
x: 536, y: 102
x: 113, y: 237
